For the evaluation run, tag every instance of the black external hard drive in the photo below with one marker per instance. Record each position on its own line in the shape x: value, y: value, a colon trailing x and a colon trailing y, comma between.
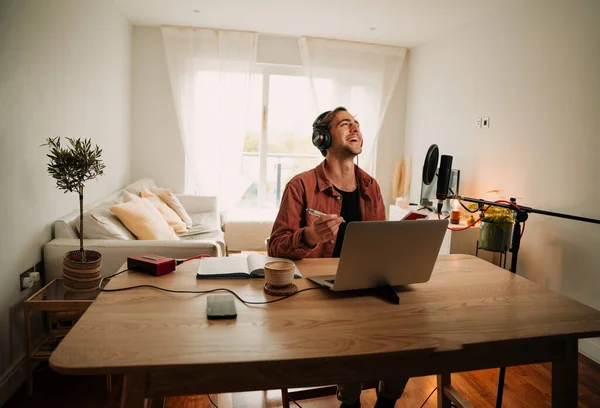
x: 220, y: 307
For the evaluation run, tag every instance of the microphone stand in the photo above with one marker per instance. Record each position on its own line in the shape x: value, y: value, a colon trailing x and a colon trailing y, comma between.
x: 520, y: 215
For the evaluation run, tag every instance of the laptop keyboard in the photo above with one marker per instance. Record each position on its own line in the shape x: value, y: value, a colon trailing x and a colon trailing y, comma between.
x: 330, y: 280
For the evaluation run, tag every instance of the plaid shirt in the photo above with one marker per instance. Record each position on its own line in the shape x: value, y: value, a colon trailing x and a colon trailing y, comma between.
x: 312, y: 189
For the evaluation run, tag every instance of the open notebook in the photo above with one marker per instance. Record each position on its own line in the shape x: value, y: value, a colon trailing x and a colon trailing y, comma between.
x: 236, y: 267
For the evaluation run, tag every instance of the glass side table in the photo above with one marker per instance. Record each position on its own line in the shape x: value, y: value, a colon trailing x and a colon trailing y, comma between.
x: 62, y: 309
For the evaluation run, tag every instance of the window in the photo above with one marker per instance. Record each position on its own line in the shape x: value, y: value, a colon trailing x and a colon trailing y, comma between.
x: 277, y: 144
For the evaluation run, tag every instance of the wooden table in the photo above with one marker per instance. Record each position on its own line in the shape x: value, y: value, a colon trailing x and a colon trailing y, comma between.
x: 471, y: 315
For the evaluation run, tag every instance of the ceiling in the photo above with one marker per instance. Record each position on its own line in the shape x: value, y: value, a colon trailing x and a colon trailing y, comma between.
x: 395, y: 22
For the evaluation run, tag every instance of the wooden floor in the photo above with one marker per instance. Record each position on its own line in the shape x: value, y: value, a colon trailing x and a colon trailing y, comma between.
x: 526, y: 386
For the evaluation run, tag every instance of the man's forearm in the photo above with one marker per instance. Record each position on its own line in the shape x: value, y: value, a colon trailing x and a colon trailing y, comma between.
x: 289, y: 245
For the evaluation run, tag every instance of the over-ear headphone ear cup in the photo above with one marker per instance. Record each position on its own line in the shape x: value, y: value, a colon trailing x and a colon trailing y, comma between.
x: 317, y: 138
x: 321, y: 138
x: 326, y: 139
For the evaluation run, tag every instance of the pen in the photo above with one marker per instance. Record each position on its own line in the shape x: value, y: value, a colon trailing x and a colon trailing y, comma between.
x: 317, y: 213
x: 314, y: 212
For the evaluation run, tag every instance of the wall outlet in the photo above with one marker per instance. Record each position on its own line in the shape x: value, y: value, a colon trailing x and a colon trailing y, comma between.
x: 30, y: 277
x: 485, y: 123
x: 26, y: 281
x: 478, y: 123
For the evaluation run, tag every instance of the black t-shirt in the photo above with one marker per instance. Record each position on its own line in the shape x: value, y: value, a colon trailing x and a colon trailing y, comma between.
x: 350, y: 212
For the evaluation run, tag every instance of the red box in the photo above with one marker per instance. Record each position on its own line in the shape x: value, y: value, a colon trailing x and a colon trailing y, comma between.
x: 151, y: 264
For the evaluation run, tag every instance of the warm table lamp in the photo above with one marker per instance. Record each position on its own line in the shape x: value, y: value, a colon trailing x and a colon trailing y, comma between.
x: 455, y: 213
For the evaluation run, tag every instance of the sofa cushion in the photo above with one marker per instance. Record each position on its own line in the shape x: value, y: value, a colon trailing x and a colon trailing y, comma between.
x: 64, y: 229
x: 203, y: 223
x: 100, y: 223
x: 167, y: 212
x: 144, y: 220
x: 216, y: 236
x: 136, y: 187
x: 67, y: 226
x: 172, y: 201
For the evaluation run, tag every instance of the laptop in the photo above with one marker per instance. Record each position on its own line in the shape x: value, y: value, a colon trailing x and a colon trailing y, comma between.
x: 386, y: 253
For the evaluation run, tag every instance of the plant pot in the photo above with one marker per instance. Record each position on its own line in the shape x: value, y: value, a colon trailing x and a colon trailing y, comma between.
x: 495, y: 237
x: 79, y: 275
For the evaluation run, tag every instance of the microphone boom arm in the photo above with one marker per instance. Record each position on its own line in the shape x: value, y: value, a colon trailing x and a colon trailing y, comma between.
x: 520, y: 215
x: 524, y: 208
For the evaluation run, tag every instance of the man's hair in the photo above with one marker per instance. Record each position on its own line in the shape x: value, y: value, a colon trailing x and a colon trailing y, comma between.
x: 326, y: 122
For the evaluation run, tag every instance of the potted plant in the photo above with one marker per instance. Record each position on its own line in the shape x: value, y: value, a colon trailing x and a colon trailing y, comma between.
x: 71, y: 167
x: 496, y: 229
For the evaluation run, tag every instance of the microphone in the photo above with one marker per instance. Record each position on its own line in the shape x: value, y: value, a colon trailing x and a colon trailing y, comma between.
x: 443, y: 182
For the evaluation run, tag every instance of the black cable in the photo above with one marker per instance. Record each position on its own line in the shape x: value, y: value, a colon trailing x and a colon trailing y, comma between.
x: 427, y: 399
x: 294, y: 401
x: 109, y: 277
x: 460, y: 202
x: 198, y: 292
x: 471, y: 211
x: 211, y: 401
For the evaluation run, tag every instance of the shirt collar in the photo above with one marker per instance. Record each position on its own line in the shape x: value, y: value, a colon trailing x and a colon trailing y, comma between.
x: 363, y: 178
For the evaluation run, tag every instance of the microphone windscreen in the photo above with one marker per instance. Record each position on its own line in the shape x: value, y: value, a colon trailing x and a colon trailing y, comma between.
x: 444, y: 177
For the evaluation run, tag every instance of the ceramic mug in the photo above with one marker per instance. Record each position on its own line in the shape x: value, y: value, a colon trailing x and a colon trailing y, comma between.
x: 279, y: 273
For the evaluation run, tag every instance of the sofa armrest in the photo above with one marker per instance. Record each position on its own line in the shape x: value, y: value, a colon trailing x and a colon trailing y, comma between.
x: 198, y: 204
x: 115, y: 252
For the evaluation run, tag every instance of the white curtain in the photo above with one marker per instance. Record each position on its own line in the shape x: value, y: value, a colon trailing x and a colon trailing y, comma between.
x: 361, y: 77
x: 210, y: 73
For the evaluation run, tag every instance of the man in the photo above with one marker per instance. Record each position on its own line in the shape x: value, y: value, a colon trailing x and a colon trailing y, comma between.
x: 345, y: 193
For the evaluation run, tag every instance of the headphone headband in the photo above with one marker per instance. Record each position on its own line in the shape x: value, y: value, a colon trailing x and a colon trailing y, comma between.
x: 320, y: 118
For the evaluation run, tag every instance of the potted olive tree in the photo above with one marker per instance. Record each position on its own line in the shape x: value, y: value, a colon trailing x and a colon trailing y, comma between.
x: 496, y: 229
x: 71, y: 167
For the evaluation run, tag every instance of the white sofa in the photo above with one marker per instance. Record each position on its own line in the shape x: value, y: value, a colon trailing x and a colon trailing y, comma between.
x: 205, y: 236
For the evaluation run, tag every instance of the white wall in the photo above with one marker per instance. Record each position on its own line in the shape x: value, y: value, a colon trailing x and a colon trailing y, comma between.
x: 533, y: 69
x: 156, y: 141
x: 64, y: 71
x: 157, y: 151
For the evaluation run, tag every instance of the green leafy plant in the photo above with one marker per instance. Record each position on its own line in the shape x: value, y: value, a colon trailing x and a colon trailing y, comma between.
x: 496, y: 215
x: 71, y: 167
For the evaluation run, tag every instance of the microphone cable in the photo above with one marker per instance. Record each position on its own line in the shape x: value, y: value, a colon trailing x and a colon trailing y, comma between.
x: 516, y: 207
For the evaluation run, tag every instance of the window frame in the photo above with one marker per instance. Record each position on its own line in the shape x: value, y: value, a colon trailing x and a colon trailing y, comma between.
x: 266, y: 70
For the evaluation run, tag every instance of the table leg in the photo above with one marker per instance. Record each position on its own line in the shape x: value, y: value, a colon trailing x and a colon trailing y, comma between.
x: 285, y: 398
x: 564, y: 377
x: 134, y: 390
x: 442, y: 381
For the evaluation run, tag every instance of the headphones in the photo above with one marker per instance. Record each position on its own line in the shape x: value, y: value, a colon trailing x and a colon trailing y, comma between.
x: 320, y: 134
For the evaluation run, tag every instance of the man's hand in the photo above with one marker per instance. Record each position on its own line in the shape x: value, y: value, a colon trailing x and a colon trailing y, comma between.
x: 325, y: 228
